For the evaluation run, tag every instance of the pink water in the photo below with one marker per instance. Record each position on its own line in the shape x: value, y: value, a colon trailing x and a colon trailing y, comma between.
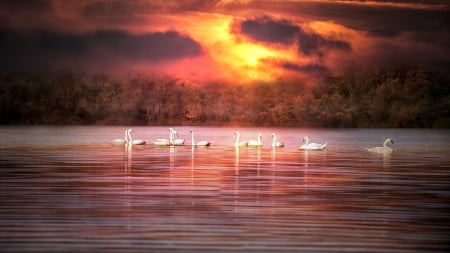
x: 67, y: 189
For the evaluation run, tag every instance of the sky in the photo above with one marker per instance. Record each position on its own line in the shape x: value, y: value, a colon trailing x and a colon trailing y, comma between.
x: 239, y: 41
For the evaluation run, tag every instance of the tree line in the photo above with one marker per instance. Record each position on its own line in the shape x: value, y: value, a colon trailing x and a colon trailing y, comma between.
x: 401, y: 97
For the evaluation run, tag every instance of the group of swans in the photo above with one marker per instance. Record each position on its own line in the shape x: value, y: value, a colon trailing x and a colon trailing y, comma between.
x: 256, y: 143
x: 307, y: 145
x: 276, y: 143
x: 172, y: 141
x: 128, y: 139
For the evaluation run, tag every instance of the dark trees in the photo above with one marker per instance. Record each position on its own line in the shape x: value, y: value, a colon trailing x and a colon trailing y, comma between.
x: 404, y: 97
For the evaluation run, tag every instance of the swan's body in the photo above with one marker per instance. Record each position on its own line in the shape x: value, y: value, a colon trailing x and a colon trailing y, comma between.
x: 239, y: 143
x: 134, y: 142
x: 257, y: 143
x: 385, y: 149
x: 200, y: 143
x: 312, y: 146
x: 275, y: 143
x: 121, y: 141
x: 162, y: 141
x: 173, y: 141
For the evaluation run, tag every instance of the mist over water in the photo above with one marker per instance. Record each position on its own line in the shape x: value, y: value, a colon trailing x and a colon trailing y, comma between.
x: 68, y: 189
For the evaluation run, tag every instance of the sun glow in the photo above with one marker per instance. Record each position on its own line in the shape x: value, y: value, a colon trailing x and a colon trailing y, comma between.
x: 227, y: 57
x: 230, y: 58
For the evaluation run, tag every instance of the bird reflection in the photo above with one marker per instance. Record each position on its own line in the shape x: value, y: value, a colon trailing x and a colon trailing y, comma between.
x: 171, y: 161
x: 171, y: 170
x: 258, y: 167
x: 236, y: 161
x: 305, y: 165
x: 128, y: 158
x: 273, y: 156
x: 192, y: 169
x: 387, y: 160
x: 236, y: 178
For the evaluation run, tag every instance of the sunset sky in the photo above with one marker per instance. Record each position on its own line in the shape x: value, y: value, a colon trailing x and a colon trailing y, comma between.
x: 234, y: 40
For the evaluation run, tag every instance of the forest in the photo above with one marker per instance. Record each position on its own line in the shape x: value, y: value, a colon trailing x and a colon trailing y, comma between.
x: 402, y: 97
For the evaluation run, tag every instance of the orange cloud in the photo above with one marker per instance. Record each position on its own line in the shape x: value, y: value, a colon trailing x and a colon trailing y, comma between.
x: 239, y: 41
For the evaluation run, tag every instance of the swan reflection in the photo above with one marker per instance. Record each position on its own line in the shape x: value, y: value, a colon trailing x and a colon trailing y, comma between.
x: 128, y: 158
x: 305, y: 166
x: 236, y: 178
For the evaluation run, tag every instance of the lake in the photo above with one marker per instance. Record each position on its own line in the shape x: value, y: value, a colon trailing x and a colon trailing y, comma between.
x: 68, y: 189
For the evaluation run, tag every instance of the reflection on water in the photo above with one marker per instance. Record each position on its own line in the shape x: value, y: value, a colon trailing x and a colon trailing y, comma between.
x: 85, y: 195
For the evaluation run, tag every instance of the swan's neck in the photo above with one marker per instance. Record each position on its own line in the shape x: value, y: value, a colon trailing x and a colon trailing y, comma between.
x: 171, y: 137
x: 192, y: 139
x: 238, y: 136
x: 274, y: 141
x: 259, y: 138
x: 385, y: 143
x: 306, y: 140
x: 130, y: 140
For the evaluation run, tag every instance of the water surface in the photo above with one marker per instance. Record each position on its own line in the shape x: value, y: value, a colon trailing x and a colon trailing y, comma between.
x: 68, y: 189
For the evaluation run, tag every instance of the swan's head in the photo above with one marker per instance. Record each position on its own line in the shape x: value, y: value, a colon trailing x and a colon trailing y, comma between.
x: 305, y: 139
x: 389, y: 141
x: 237, y: 133
x: 171, y: 129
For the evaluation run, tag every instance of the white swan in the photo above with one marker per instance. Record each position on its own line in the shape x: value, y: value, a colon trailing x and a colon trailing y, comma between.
x: 164, y: 142
x: 275, y: 143
x: 134, y: 142
x: 173, y: 141
x: 239, y: 143
x: 385, y: 149
x: 257, y: 143
x: 121, y: 141
x: 200, y: 143
x: 312, y: 146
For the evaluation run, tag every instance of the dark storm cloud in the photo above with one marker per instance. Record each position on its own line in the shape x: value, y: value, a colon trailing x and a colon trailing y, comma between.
x: 33, y: 5
x: 315, y: 68
x: 268, y: 30
x: 119, y: 11
x: 265, y: 29
x: 311, y: 43
x: 116, y: 12
x: 387, y: 21
x: 21, y: 51
x: 379, y: 18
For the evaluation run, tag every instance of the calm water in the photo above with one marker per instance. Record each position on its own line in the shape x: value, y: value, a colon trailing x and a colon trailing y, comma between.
x: 68, y: 189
